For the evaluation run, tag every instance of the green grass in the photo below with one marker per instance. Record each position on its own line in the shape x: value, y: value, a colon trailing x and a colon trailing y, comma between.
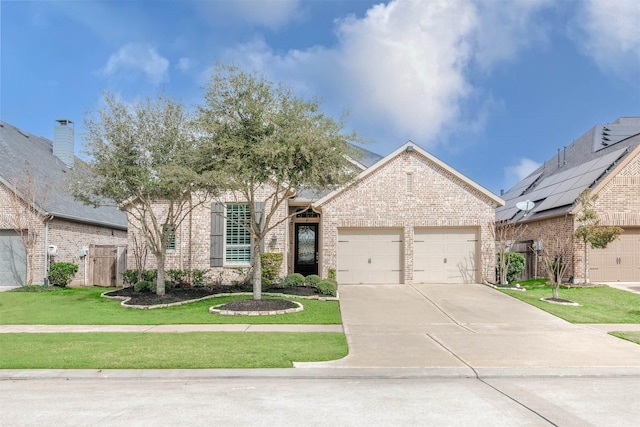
x: 597, y: 305
x: 196, y: 350
x: 629, y: 336
x: 84, y: 306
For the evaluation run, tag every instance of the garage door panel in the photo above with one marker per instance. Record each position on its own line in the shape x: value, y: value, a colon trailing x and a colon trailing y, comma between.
x: 445, y: 256
x: 13, y: 259
x: 369, y: 256
x: 619, y: 261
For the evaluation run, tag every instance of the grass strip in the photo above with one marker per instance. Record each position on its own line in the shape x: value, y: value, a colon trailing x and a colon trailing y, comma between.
x: 629, y: 336
x: 597, y: 305
x: 84, y: 306
x: 193, y: 350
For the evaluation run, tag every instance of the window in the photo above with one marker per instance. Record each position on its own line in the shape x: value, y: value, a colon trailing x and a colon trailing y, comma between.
x: 237, y: 237
x: 170, y: 231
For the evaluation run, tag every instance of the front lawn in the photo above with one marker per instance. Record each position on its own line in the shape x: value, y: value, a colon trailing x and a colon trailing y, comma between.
x: 193, y: 350
x: 84, y: 306
x: 597, y: 304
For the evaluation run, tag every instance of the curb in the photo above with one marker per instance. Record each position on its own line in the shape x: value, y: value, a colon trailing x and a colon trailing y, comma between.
x: 319, y: 373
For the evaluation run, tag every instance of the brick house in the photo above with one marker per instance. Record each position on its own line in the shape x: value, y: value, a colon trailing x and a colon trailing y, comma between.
x: 407, y: 218
x: 606, y: 159
x: 33, y: 196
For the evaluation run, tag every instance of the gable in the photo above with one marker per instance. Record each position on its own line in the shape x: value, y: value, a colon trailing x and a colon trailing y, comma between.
x: 410, y: 184
x: 393, y: 170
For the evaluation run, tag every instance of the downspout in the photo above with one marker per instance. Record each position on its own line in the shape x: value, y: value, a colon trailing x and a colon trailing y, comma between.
x: 46, y: 250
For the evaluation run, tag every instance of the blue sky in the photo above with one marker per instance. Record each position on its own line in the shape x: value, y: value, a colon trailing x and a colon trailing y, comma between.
x: 491, y: 87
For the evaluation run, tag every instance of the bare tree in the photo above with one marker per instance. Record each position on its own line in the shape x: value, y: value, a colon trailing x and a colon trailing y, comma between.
x: 505, y: 234
x: 557, y: 255
x: 25, y: 197
x: 590, y: 231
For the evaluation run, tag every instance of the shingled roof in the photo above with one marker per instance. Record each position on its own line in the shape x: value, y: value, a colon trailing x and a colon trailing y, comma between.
x: 555, y: 186
x: 23, y: 154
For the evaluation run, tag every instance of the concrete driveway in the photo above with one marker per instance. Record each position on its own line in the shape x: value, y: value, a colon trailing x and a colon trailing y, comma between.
x: 468, y: 329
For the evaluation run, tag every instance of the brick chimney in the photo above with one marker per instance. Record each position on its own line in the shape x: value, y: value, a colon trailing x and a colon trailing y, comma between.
x: 63, y: 141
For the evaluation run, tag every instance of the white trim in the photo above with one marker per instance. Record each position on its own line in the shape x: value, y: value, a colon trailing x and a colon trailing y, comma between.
x: 414, y: 149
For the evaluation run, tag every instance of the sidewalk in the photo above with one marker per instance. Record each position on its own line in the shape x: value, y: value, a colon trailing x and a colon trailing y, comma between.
x: 40, y: 329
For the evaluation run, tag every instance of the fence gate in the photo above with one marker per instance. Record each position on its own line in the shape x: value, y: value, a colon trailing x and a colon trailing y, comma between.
x: 105, y: 265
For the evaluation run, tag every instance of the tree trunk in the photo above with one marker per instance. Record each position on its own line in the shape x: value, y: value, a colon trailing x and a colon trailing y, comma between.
x: 30, y: 266
x: 160, y: 276
x: 555, y: 290
x: 586, y: 263
x: 257, y: 271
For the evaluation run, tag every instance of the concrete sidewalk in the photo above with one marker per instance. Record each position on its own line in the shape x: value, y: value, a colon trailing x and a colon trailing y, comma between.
x: 39, y: 329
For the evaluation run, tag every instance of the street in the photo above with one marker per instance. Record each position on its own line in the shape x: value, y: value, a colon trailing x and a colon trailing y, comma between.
x: 290, y: 401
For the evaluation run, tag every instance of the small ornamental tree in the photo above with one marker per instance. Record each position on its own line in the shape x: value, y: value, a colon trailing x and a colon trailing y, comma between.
x: 142, y: 158
x: 506, y: 234
x: 261, y: 138
x: 590, y: 231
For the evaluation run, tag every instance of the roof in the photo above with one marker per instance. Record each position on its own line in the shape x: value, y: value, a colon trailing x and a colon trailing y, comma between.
x: 23, y: 153
x: 358, y: 156
x: 410, y: 146
x: 555, y: 186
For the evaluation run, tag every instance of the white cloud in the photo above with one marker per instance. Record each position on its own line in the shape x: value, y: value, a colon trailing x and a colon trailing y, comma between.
x: 515, y: 174
x: 134, y: 58
x: 610, y: 34
x: 184, y: 64
x: 404, y: 67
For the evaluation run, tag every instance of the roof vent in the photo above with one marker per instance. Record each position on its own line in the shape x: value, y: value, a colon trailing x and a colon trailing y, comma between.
x: 63, y: 141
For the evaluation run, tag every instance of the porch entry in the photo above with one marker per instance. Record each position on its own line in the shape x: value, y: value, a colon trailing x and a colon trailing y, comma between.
x: 306, y: 249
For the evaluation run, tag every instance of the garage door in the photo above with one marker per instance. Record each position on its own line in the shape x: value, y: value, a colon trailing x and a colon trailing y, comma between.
x: 370, y: 255
x: 13, y: 259
x: 445, y: 255
x: 619, y: 261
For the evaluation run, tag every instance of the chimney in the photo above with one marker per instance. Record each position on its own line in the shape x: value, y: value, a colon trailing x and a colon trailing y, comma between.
x: 63, y: 141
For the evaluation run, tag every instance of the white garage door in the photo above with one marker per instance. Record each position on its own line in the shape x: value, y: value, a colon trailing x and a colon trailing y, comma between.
x: 13, y: 259
x: 445, y: 255
x: 370, y: 255
x: 619, y: 261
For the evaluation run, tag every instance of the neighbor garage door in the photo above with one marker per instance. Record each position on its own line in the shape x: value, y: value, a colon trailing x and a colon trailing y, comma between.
x: 445, y: 255
x: 370, y: 255
x: 619, y: 261
x: 13, y: 259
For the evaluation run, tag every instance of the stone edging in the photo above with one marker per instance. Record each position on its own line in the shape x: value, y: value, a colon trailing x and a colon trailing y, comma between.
x: 214, y: 310
x: 508, y: 288
x: 175, y: 304
x: 571, y: 303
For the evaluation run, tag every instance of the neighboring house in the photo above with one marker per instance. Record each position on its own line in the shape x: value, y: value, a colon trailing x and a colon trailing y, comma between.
x: 407, y: 218
x: 33, y: 168
x: 606, y: 160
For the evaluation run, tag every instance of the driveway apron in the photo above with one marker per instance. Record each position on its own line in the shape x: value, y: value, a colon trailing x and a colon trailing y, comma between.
x: 465, y: 327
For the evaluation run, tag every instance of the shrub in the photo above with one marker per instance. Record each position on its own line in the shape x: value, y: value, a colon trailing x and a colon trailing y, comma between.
x: 150, y: 275
x: 271, y: 263
x: 130, y: 277
x: 61, y: 273
x: 332, y: 274
x: 295, y: 279
x: 312, y: 280
x: 197, y: 276
x: 143, y: 286
x: 328, y: 287
x: 515, y: 265
x: 179, y: 277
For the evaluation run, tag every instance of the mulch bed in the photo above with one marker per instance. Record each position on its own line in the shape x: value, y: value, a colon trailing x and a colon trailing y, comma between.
x: 189, y: 294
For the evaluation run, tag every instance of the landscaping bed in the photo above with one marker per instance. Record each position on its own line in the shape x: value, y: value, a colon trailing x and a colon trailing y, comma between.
x: 177, y: 295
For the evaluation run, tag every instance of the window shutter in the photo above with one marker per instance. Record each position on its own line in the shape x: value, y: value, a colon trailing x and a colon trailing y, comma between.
x: 217, y: 235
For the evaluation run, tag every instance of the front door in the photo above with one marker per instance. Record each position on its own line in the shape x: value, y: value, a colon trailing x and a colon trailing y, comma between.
x: 306, y: 249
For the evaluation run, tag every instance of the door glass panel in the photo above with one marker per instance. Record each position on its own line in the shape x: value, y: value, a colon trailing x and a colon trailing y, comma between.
x: 306, y: 244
